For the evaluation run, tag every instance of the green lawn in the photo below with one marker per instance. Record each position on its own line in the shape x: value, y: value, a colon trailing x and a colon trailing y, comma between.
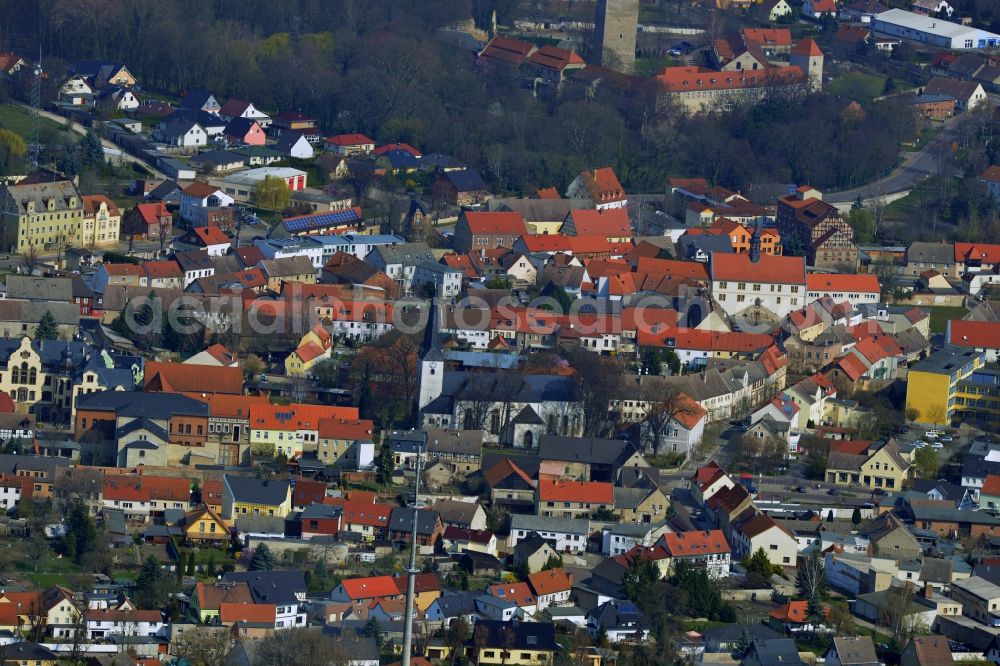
x: 44, y: 581
x: 942, y: 314
x: 18, y: 120
x: 646, y: 67
x: 857, y: 86
x: 906, y: 208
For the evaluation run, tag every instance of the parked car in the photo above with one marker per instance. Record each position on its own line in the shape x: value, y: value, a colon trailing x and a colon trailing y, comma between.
x: 880, y: 491
x: 937, y: 445
x: 831, y: 491
x: 946, y: 438
x: 800, y: 489
x: 919, y: 444
x: 675, y: 53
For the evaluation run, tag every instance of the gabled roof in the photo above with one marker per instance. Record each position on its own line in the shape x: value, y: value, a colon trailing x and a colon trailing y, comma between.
x: 501, y: 470
x: 551, y: 581
x: 575, y: 491
x: 496, y: 222
x: 350, y: 140
x: 932, y: 650
x: 807, y: 46
x: 603, y: 185
x: 695, y: 543
x: 795, y: 612
x: 370, y: 587
x: 867, y: 283
x: 257, y: 491
x: 211, y: 236
x: 770, y: 269
x: 181, y: 378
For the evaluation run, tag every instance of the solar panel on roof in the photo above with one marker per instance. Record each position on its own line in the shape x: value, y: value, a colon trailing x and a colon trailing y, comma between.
x: 321, y: 220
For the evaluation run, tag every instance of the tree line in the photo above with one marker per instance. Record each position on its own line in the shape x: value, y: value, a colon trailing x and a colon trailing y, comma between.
x: 375, y: 67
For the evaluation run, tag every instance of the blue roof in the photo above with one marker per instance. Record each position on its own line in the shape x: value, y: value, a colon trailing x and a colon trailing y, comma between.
x: 320, y: 220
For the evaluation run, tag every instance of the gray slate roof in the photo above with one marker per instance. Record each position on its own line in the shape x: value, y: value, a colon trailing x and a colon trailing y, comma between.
x: 257, y: 491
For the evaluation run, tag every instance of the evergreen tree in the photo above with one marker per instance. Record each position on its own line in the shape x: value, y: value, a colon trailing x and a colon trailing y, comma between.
x: 190, y: 564
x: 829, y: 517
x: 856, y: 516
x: 92, y: 150
x: 47, y: 328
x: 319, y: 576
x: 641, y: 574
x: 373, y: 629
x: 759, y: 564
x: 152, y: 586
x: 210, y: 567
x: 384, y: 465
x: 741, y: 647
x: 262, y: 560
x: 81, y: 532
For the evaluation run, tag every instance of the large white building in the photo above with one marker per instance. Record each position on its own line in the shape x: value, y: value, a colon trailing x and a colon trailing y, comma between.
x: 934, y: 31
x: 741, y: 285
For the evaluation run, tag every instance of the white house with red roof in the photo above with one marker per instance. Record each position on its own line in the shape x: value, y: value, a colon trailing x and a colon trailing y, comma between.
x: 707, y: 548
x: 599, y: 186
x: 770, y: 287
x: 843, y: 287
x: 759, y: 531
x: 708, y: 480
x: 201, y: 195
x: 212, y: 239
x: 240, y: 108
x: 350, y: 144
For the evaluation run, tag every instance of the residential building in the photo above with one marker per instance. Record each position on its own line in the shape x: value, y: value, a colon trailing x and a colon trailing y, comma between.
x: 980, y: 599
x: 929, y: 651
x: 572, y: 499
x: 565, y: 535
x: 350, y: 144
x: 932, y: 384
x: 878, y: 466
x: 967, y: 94
x: 706, y: 549
x: 476, y: 231
x: 248, y: 495
x: 44, y: 216
x: 760, y: 531
x: 770, y: 287
x: 814, y: 228
x: 600, y: 187
x: 201, y: 195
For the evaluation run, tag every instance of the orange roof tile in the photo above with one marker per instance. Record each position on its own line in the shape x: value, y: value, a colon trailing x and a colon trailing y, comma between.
x: 496, y: 222
x: 768, y: 36
x: 807, y: 46
x: 794, y: 611
x: 211, y: 236
x: 92, y: 203
x: 180, y: 378
x: 843, y: 282
x: 296, y: 416
x: 366, y: 513
x: 592, y: 492
x: 518, y: 593
x: 983, y: 252
x: 230, y: 613
x: 349, y: 140
x: 165, y: 268
x: 701, y: 542
x: 123, y: 269
x: 501, y: 470
x: 770, y: 268
x: 991, y: 485
x: 548, y: 193
x: 603, y: 185
x: 978, y: 334
x: 371, y: 587
x: 223, y: 405
x: 608, y: 223
x: 550, y: 582
x: 200, y: 190
x: 352, y: 429
x: 690, y: 78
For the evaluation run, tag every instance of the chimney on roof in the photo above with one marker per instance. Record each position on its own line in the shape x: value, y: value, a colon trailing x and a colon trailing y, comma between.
x: 928, y: 591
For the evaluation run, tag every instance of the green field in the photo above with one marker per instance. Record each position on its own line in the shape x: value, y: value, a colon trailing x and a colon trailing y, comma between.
x: 942, y: 314
x: 860, y: 87
x: 18, y: 120
x: 902, y: 210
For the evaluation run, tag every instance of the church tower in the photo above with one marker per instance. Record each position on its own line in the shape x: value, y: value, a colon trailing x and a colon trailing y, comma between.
x: 755, y: 244
x: 431, y: 362
x: 615, y: 26
x: 807, y: 56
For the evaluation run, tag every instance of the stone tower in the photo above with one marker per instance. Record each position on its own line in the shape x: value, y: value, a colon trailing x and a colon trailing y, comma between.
x: 615, y: 25
x: 807, y: 56
x: 755, y: 243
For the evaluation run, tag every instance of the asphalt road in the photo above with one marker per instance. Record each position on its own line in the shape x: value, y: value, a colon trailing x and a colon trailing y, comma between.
x: 915, y: 167
x: 81, y: 130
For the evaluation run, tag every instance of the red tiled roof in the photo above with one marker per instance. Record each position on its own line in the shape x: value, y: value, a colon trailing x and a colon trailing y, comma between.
x: 501, y: 470
x: 842, y: 282
x: 856, y: 447
x: 609, y: 223
x: 770, y: 269
x: 507, y: 49
x: 977, y: 334
x: 852, y: 366
x: 244, y: 612
x: 92, y: 203
x: 123, y: 269
x: 200, y: 190
x: 992, y: 174
x: 349, y: 140
x: 455, y: 533
x: 145, y: 488
x: 352, y: 429
x: 309, y: 351
x: 689, y: 413
x: 593, y: 492
x: 296, y: 416
x: 603, y: 185
x: 152, y: 212
x: 371, y: 587
x: 179, y: 377
x: 233, y: 107
x: 211, y: 236
x: 366, y: 513
x: 689, y: 78
x: 518, y: 593
x: 555, y: 58
x: 548, y: 193
x: 497, y: 222
x: 550, y: 582
x: 991, y: 485
x: 701, y: 542
x: 984, y: 252
x: 768, y: 36
x: 794, y: 611
x: 165, y: 268
x: 807, y: 46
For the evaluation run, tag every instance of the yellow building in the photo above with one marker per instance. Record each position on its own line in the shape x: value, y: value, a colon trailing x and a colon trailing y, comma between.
x: 43, y: 216
x: 514, y: 644
x: 932, y: 385
x: 205, y: 525
x: 102, y: 221
x: 885, y: 467
x: 314, y: 348
x: 247, y: 495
